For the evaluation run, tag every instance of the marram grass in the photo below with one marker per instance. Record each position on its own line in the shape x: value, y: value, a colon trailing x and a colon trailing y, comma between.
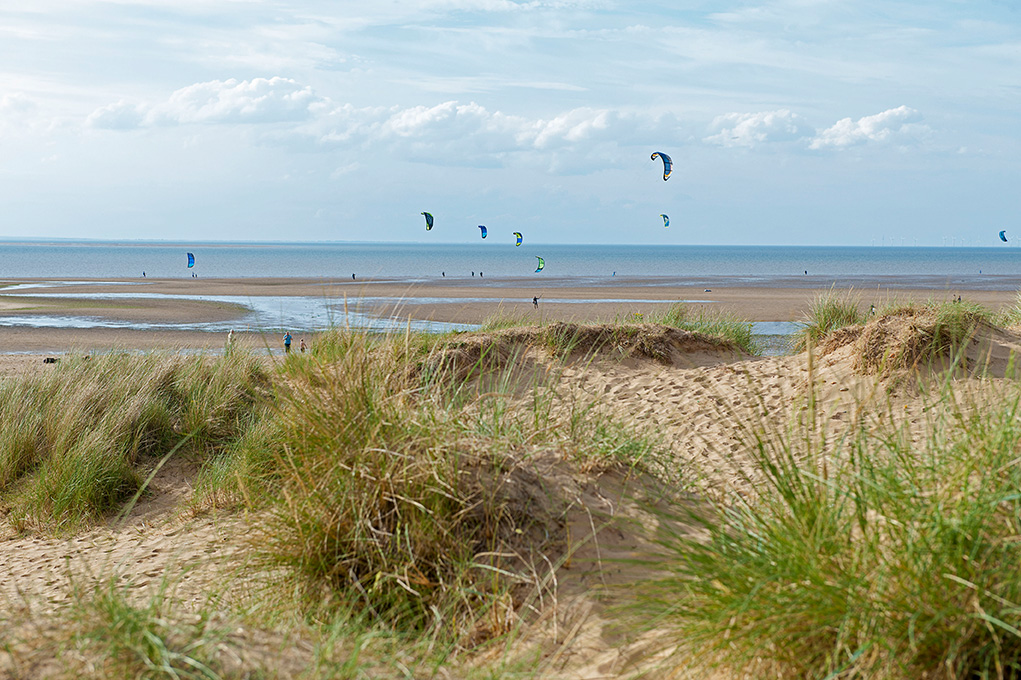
x: 711, y: 322
x: 76, y: 440
x: 385, y: 479
x: 890, y: 551
x: 828, y: 312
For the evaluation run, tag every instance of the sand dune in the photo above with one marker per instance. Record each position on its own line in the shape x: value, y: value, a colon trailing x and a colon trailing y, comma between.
x: 700, y: 401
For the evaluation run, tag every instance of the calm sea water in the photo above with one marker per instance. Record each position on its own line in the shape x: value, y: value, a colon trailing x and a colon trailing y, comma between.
x: 989, y: 268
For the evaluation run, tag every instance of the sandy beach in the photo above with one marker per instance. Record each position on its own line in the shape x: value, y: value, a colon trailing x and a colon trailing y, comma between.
x: 128, y: 322
x: 696, y: 398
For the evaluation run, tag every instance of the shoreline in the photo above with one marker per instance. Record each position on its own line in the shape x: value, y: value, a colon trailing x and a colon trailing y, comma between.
x: 194, y: 314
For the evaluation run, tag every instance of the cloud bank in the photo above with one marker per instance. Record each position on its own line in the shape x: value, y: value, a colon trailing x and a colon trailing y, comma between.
x: 469, y: 133
x: 260, y: 100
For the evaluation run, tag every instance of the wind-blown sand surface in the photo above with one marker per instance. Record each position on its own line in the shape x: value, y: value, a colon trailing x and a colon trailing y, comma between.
x: 697, y: 403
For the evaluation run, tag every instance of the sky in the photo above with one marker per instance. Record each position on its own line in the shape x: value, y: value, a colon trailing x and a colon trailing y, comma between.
x: 790, y: 122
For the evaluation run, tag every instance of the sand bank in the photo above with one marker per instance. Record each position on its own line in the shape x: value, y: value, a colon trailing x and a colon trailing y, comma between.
x: 451, y: 300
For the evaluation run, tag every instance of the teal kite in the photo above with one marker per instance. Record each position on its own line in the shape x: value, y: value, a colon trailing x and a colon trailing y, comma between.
x: 484, y: 232
x: 666, y: 220
x: 542, y: 263
x: 191, y: 260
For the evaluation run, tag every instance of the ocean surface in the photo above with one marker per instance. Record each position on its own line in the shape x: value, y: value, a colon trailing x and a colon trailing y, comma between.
x: 967, y: 268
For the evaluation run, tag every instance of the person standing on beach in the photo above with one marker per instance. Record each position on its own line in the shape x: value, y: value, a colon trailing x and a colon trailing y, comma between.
x: 302, y: 346
x: 535, y: 302
x: 287, y: 341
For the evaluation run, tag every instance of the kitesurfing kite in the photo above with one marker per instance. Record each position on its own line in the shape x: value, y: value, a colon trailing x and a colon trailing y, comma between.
x: 517, y: 238
x: 484, y: 232
x: 191, y: 260
x: 668, y: 165
x: 666, y: 220
x: 1003, y: 235
x: 542, y: 263
x: 428, y: 221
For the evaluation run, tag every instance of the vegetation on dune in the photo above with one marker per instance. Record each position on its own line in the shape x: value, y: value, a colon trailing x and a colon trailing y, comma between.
x: 76, y: 441
x: 398, y: 488
x: 405, y: 504
x: 886, y: 552
x: 827, y: 313
x: 915, y: 336
x: 710, y: 322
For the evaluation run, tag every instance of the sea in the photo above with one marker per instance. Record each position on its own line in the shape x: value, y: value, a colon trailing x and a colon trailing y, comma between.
x: 499, y: 264
x: 569, y: 265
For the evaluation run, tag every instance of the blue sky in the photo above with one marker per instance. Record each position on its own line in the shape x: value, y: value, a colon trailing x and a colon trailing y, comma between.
x: 790, y: 122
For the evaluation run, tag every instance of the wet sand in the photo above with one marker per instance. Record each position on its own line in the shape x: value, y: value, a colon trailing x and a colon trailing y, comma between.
x: 469, y: 301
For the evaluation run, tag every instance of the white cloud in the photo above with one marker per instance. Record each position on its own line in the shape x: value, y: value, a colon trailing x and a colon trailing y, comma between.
x: 899, y: 124
x: 753, y: 129
x: 17, y: 112
x: 469, y: 132
x: 118, y: 116
x: 260, y: 100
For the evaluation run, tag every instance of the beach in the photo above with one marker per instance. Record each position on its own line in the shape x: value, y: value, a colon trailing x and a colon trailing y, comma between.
x: 61, y: 316
x: 682, y: 408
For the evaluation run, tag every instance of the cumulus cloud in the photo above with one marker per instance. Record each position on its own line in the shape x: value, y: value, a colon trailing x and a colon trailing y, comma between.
x: 472, y: 130
x: 260, y: 100
x: 753, y: 129
x: 450, y: 132
x: 901, y: 123
x: 118, y: 116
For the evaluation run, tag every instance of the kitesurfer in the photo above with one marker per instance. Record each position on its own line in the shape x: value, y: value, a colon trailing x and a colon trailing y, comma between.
x: 535, y: 302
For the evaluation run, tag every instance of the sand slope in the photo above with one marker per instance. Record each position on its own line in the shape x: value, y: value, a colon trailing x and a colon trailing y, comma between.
x: 700, y: 401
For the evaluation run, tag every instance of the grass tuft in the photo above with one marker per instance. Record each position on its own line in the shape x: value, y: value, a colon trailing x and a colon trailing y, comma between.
x: 711, y: 322
x: 827, y: 313
x: 76, y: 440
x: 880, y: 553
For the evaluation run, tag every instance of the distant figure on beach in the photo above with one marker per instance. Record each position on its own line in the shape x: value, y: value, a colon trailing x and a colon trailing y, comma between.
x: 535, y: 302
x: 872, y: 310
x: 287, y: 341
x: 230, y: 338
x: 303, y: 346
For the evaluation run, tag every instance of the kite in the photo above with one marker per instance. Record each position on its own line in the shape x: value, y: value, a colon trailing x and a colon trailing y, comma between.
x: 1003, y: 235
x: 191, y: 260
x: 484, y: 232
x: 517, y: 238
x: 668, y: 165
x: 666, y: 220
x: 542, y: 263
x: 428, y: 221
